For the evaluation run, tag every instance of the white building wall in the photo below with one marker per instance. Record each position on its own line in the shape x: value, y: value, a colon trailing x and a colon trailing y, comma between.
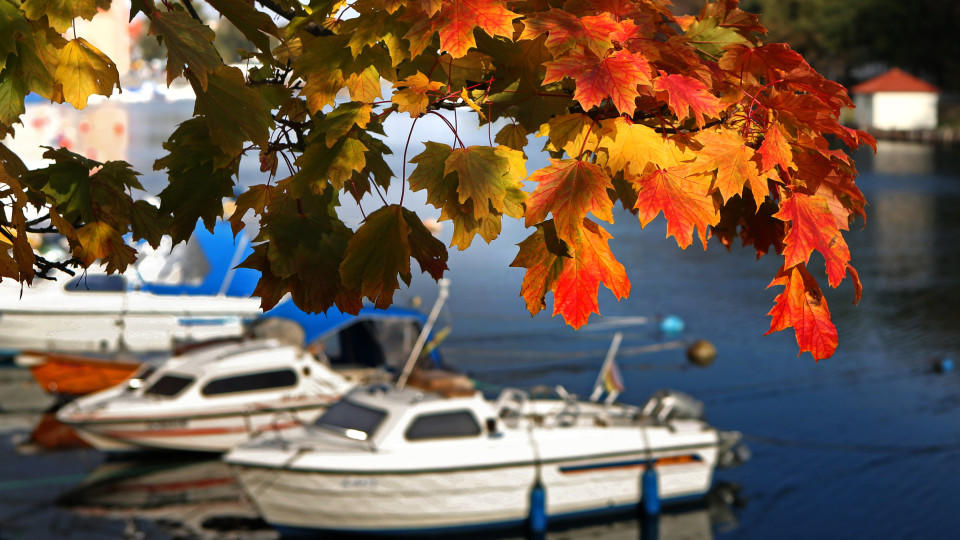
x: 904, y: 110
x: 863, y: 113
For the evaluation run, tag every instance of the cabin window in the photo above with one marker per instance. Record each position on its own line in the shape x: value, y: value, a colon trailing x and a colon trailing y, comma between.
x: 264, y: 380
x: 349, y: 418
x: 168, y: 386
x: 96, y: 283
x: 443, y: 425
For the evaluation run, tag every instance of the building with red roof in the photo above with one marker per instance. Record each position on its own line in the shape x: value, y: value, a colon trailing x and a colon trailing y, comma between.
x: 896, y: 100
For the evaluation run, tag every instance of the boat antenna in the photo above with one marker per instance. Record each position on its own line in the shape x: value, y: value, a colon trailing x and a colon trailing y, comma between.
x: 444, y: 286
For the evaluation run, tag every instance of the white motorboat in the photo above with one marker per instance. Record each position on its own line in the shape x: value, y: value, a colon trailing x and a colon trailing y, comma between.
x: 216, y: 396
x: 386, y: 459
x: 209, y: 399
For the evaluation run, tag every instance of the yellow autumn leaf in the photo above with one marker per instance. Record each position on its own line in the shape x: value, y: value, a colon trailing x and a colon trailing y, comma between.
x: 413, y: 97
x: 84, y: 70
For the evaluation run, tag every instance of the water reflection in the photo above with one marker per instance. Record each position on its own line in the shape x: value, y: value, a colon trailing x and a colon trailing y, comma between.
x: 184, y: 498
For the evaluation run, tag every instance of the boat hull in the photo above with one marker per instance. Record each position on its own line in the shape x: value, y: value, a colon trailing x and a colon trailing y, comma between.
x: 78, y: 376
x: 192, y: 432
x: 463, y: 499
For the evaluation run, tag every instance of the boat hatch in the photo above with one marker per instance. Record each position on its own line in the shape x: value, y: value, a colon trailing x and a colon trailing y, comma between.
x: 369, y: 343
x: 351, y: 420
x: 443, y: 425
x: 169, y: 386
x: 250, y: 382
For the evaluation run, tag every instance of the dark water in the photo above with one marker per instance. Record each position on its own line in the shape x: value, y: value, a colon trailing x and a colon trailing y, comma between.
x: 862, y: 445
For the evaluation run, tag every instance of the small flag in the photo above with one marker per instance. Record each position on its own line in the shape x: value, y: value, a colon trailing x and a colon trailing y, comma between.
x: 612, y: 382
x: 609, y: 378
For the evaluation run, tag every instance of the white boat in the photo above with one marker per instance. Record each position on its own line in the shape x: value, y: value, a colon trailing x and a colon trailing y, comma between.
x: 178, y: 296
x: 391, y: 460
x: 216, y: 396
x: 208, y: 400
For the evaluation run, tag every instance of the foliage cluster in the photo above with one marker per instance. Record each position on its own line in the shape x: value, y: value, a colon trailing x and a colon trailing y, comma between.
x: 690, y: 116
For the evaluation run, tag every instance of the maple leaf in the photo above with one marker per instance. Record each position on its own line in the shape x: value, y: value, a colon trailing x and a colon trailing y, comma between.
x: 802, y: 306
x: 687, y: 97
x: 543, y: 264
x: 726, y: 152
x: 380, y: 250
x: 484, y: 176
x: 84, y: 70
x: 813, y: 226
x: 571, y: 133
x: 615, y: 76
x: 189, y: 44
x: 513, y: 136
x: 414, y: 94
x: 684, y: 200
x: 60, y: 13
x: 99, y: 240
x: 253, y: 24
x: 364, y: 86
x: 775, y: 150
x: 629, y: 147
x: 458, y: 18
x: 574, y: 280
x: 569, y: 189
x: 566, y: 31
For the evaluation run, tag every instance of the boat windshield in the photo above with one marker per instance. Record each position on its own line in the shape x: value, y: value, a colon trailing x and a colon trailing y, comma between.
x: 168, y: 386
x: 351, y: 420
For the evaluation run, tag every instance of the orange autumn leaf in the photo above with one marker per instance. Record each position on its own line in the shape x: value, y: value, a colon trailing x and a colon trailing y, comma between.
x: 615, y: 76
x: 813, y: 226
x: 458, y: 18
x: 570, y: 189
x: 684, y: 200
x: 726, y: 152
x: 775, y: 150
x: 574, y: 276
x: 687, y: 97
x: 802, y: 306
x: 565, y: 31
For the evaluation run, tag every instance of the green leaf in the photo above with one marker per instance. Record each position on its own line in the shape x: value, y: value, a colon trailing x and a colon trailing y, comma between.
x: 484, y: 174
x: 60, y: 13
x: 12, y: 94
x: 12, y: 27
x: 189, y: 45
x: 235, y: 113
x: 147, y: 223
x: 37, y: 58
x: 197, y: 185
x: 429, y: 174
x: 84, y: 70
x: 711, y: 38
x: 377, y: 253
x: 255, y: 25
x: 342, y: 119
x: 429, y: 252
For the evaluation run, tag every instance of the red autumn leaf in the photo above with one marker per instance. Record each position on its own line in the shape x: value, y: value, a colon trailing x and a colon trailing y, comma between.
x: 760, y: 65
x: 565, y: 31
x: 684, y: 200
x: 802, y: 306
x: 458, y: 18
x: 726, y: 152
x: 775, y: 150
x: 575, y: 293
x: 569, y: 189
x: 615, y: 76
x: 575, y: 277
x: 813, y: 227
x: 687, y: 97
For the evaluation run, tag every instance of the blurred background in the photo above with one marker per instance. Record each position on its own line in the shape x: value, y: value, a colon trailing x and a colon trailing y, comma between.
x: 864, y: 444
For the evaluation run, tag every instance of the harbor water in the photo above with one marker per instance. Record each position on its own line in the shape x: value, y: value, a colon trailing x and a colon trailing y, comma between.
x: 862, y: 445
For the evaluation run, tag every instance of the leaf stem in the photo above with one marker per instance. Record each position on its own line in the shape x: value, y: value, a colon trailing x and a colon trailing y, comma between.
x: 193, y: 12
